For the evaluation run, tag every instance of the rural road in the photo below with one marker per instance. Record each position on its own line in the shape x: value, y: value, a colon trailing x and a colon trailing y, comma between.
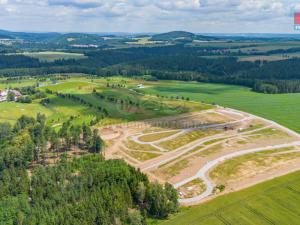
x: 171, y: 155
x: 202, y: 173
x: 136, y: 138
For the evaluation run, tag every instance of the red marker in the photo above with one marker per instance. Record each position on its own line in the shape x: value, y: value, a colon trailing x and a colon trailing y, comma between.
x: 297, y: 18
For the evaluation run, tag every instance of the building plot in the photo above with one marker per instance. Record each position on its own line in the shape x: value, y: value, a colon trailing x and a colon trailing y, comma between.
x: 207, y: 153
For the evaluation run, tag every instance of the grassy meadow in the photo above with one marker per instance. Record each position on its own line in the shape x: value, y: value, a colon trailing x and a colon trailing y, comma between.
x: 52, y: 56
x: 10, y: 111
x: 121, y: 104
x: 4, y: 84
x: 271, y: 202
x: 282, y: 108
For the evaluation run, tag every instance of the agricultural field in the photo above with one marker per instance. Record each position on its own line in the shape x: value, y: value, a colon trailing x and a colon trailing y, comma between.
x: 272, y: 202
x: 52, y: 56
x: 247, y: 46
x: 283, y: 108
x: 4, y: 83
x: 142, y: 41
x: 9, y: 111
x: 274, y: 57
x: 269, y: 46
x: 85, y: 100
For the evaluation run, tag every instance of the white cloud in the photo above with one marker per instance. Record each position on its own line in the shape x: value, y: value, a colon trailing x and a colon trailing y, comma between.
x: 178, y: 4
x: 148, y: 15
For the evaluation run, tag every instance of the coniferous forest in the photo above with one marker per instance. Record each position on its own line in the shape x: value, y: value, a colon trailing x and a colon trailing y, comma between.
x: 85, y: 190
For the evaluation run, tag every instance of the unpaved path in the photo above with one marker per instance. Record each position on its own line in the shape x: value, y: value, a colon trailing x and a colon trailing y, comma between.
x: 171, y: 155
x: 183, y: 131
x: 202, y: 173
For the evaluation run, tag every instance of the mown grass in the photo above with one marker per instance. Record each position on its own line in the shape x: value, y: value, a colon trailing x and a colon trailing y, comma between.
x: 271, y: 202
x: 71, y: 87
x: 64, y: 109
x: 10, y: 111
x: 282, y: 108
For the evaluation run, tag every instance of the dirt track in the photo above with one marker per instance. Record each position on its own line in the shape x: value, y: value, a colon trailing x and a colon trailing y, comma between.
x: 134, y: 131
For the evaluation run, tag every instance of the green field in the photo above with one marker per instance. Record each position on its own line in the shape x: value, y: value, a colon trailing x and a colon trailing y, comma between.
x: 272, y: 202
x: 282, y: 108
x: 52, y: 56
x: 121, y: 104
x: 148, y: 107
x: 16, y: 84
x: 274, y: 57
x: 248, y: 46
x: 9, y: 111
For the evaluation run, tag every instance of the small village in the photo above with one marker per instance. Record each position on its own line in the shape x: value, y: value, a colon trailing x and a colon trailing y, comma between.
x: 9, y: 95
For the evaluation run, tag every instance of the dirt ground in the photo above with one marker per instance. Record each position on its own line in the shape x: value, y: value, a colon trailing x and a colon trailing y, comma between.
x: 236, y: 132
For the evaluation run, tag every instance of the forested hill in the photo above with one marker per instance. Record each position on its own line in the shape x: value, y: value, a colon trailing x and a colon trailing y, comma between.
x: 181, y: 35
x: 178, y: 62
x: 87, y: 190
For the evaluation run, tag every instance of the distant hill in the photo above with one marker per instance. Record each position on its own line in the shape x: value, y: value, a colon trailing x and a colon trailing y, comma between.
x: 26, y: 36
x: 77, y: 39
x: 180, y: 36
x: 3, y: 36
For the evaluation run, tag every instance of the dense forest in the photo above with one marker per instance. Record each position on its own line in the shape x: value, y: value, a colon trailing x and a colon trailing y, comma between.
x: 177, y: 62
x: 85, y: 190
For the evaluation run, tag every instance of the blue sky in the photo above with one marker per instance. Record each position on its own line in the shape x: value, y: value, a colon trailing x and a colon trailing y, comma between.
x: 200, y: 16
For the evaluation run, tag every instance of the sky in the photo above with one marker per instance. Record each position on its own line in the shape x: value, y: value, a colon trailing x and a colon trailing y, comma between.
x: 138, y: 16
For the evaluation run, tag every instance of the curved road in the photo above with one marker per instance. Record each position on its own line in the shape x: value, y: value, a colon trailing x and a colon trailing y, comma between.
x: 202, y: 173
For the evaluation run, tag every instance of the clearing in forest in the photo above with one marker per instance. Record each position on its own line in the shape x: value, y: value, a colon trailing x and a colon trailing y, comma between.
x: 207, y: 153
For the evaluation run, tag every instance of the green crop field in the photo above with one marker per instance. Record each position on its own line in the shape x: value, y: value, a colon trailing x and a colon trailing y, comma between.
x: 274, y: 57
x: 16, y: 84
x: 10, y: 111
x: 282, y: 108
x: 121, y: 104
x: 271, y: 202
x: 52, y: 56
